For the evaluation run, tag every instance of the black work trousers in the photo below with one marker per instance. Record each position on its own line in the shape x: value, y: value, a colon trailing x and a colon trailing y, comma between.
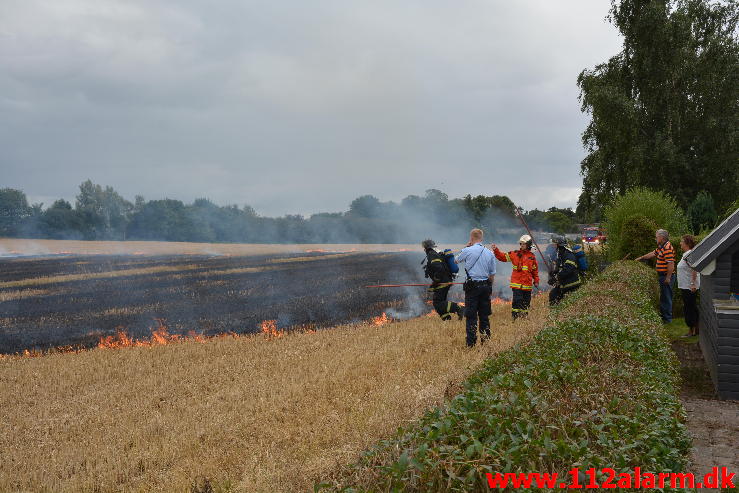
x: 690, y: 308
x: 477, y: 308
x: 557, y: 293
x: 520, y: 303
x: 444, y: 308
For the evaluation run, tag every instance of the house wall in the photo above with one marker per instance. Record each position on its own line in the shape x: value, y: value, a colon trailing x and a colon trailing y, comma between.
x: 722, y: 275
x: 708, y: 335
x: 719, y: 331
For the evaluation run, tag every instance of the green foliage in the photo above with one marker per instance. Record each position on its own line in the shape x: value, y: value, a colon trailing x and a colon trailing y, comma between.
x: 597, y: 389
x: 665, y: 110
x: 702, y: 213
x: 101, y: 213
x: 656, y: 206
x: 60, y: 221
x: 14, y: 209
x: 731, y: 209
x: 553, y: 220
x: 162, y: 219
x: 104, y: 213
x: 480, y: 205
x: 597, y: 260
x: 637, y: 237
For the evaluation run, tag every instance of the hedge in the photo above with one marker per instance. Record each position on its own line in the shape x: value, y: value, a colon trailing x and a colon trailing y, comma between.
x: 657, y: 206
x: 598, y: 388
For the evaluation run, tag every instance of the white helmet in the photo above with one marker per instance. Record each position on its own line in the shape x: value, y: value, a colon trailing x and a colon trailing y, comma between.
x: 526, y: 239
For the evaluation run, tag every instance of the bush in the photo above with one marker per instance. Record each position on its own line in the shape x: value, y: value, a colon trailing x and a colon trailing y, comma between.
x: 597, y: 389
x: 597, y: 259
x: 637, y: 237
x: 657, y: 206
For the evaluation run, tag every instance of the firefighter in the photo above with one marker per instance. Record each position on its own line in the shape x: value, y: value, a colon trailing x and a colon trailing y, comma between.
x: 524, y: 277
x: 437, y: 268
x: 564, y: 277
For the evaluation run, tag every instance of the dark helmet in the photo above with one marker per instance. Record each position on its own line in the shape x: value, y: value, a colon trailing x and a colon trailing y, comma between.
x: 559, y: 240
x: 428, y: 243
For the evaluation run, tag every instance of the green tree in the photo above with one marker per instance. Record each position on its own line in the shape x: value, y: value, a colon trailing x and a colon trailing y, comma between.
x: 166, y: 220
x: 559, y: 222
x: 365, y: 206
x: 702, y: 213
x: 60, y: 221
x: 104, y: 213
x: 14, y: 211
x: 481, y: 205
x: 665, y: 110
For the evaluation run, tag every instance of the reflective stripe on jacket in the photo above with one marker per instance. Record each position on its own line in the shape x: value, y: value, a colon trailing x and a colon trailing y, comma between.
x: 566, y: 268
x: 525, y: 269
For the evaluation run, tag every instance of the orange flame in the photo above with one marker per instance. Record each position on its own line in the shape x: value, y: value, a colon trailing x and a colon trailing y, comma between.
x: 269, y: 329
x: 381, y: 320
x: 159, y: 337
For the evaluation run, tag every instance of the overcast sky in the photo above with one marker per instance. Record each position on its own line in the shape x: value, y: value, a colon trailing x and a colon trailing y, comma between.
x: 297, y: 107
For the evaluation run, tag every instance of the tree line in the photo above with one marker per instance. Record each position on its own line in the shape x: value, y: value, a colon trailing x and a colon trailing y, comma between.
x: 101, y: 213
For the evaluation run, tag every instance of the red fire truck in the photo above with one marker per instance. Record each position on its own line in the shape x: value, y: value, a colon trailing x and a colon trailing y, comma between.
x: 594, y: 235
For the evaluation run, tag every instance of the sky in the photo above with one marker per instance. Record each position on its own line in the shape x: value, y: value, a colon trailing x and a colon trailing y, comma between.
x: 297, y: 107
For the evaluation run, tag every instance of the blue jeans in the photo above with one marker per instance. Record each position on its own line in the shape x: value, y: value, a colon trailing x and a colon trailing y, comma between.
x: 665, y: 297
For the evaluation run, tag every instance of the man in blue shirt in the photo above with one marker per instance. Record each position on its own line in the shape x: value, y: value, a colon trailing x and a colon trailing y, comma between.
x: 479, y: 264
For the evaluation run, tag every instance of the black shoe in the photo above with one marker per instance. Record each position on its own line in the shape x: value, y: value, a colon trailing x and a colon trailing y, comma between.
x: 460, y: 312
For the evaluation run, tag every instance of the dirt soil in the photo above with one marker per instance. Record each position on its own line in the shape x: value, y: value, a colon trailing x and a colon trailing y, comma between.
x: 713, y: 423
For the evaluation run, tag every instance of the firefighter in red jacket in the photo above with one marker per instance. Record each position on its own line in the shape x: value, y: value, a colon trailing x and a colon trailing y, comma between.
x: 524, y: 277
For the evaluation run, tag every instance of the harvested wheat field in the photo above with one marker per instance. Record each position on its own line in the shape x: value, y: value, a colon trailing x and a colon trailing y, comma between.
x: 249, y: 413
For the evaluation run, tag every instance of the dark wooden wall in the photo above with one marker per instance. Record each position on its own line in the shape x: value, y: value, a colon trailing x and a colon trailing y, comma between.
x: 719, y: 332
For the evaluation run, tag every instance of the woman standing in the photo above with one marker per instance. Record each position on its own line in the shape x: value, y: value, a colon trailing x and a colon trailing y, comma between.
x: 688, y: 283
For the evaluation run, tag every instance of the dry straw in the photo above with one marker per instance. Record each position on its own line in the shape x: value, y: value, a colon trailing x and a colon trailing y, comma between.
x: 256, y: 414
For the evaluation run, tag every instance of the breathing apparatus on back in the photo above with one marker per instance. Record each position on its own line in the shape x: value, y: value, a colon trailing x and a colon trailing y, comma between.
x: 439, y: 266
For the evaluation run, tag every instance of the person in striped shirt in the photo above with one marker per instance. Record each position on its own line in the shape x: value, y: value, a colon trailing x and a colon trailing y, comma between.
x: 665, y: 255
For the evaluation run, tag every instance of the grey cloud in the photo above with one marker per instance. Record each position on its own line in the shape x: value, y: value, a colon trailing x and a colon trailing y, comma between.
x: 296, y: 107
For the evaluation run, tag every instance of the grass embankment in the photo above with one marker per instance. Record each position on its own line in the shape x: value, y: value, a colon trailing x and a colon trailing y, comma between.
x: 597, y: 389
x: 249, y: 413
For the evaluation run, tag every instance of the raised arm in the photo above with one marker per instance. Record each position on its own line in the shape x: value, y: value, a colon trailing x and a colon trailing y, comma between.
x: 502, y: 256
x: 646, y: 256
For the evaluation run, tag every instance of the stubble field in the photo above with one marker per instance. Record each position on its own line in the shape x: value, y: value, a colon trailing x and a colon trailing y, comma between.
x: 252, y: 411
x: 74, y: 300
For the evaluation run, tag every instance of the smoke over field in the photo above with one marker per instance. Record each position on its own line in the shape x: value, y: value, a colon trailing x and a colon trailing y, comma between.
x: 24, y: 247
x: 80, y: 301
x: 77, y: 300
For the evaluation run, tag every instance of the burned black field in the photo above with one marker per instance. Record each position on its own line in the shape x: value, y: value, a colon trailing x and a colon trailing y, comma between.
x: 76, y: 300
